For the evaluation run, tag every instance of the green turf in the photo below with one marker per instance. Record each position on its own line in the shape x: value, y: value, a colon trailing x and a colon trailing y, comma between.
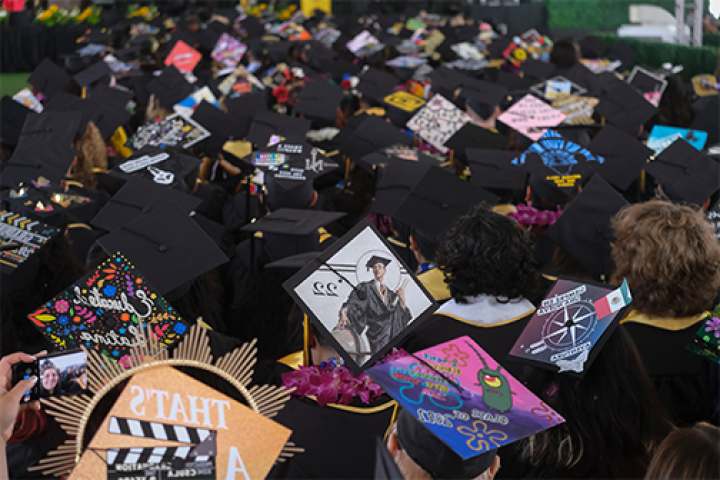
x: 11, y: 83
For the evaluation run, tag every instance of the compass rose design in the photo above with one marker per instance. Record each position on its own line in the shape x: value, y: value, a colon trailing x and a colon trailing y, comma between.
x: 567, y: 327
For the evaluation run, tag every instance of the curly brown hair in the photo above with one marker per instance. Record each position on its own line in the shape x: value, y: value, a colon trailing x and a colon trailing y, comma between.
x: 91, y: 154
x: 670, y: 257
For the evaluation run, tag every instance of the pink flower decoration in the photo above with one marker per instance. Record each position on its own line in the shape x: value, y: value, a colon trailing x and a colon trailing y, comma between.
x: 126, y: 361
x: 62, y: 306
x: 527, y: 215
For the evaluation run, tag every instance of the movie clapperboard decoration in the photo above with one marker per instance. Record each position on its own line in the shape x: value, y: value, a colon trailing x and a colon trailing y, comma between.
x: 360, y: 279
x: 173, y: 131
x: 531, y: 117
x: 105, y: 311
x: 194, y: 461
x: 464, y: 397
x: 572, y: 324
x: 437, y: 121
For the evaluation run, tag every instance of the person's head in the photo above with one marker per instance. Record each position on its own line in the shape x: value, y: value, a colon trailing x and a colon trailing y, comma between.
x: 612, y: 413
x: 378, y: 265
x: 487, y: 253
x: 49, y: 375
x: 675, y: 106
x: 420, y: 455
x: 91, y: 153
x: 564, y: 53
x: 424, y: 245
x: 670, y: 257
x: 688, y: 454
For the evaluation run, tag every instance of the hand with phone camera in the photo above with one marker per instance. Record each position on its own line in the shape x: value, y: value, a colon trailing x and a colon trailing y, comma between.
x: 12, y: 396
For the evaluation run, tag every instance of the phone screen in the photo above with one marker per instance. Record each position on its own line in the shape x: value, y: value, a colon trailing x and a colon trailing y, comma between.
x: 63, y: 373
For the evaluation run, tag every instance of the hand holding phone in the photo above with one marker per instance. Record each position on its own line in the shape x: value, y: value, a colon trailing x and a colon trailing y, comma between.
x: 10, y: 396
x: 62, y: 373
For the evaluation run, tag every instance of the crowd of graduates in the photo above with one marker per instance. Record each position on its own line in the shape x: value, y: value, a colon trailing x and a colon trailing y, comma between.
x: 311, y: 122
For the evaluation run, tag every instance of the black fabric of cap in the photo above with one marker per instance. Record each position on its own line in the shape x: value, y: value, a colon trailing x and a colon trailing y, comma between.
x: 170, y: 87
x: 625, y: 156
x: 396, y: 183
x: 267, y: 124
x: 288, y: 221
x: 183, y: 167
x: 218, y: 123
x: 295, y: 262
x: 48, y: 78
x: 584, y: 230
x: 433, y: 456
x: 623, y: 52
x: 625, y: 108
x: 538, y: 69
x: 94, y: 74
x: 493, y: 169
x: 371, y: 135
x: 167, y: 246
x: 472, y: 136
x: 375, y: 84
x: 13, y: 115
x: 319, y: 100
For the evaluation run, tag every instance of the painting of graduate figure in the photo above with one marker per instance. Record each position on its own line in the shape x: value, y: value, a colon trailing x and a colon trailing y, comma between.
x: 361, y: 296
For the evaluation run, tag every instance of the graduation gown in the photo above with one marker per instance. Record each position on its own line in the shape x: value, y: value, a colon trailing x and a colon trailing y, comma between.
x: 434, y: 281
x: 339, y: 440
x: 685, y: 382
x: 384, y: 319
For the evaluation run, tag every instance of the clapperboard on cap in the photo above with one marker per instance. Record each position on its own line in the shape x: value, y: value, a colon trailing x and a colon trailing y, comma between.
x: 196, y: 460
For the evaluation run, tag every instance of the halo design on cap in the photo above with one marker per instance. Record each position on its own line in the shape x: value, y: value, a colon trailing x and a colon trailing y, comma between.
x: 104, y: 374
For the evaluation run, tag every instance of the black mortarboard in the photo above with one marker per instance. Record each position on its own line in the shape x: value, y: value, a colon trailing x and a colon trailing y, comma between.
x: 434, y: 456
x: 170, y: 87
x: 288, y: 187
x: 375, y: 84
x: 218, y: 123
x: 401, y: 107
x: 267, y: 124
x: 288, y: 221
x: 625, y: 156
x: 472, y: 136
x: 396, y: 183
x: 165, y: 167
x: 139, y: 197
x: 341, y: 67
x: 13, y: 115
x: 113, y: 96
x: 89, y: 110
x: 446, y: 80
x: 623, y: 52
x: 48, y: 78
x: 252, y: 27
x: 438, y: 199
x: 625, y: 108
x: 208, y: 37
x: 708, y: 120
x: 373, y: 134
x: 592, y: 47
x: 646, y: 81
x: 375, y: 259
x: 97, y: 73
x: 44, y: 148
x: 242, y: 109
x: 493, y: 169
x: 538, y: 69
x: 558, y: 161
x: 295, y: 262
x: 684, y: 173
x: 277, y: 51
x: 55, y: 206
x: 167, y: 246
x: 498, y: 46
x: 382, y: 158
x: 385, y: 466
x: 584, y: 230
x: 319, y: 100
x: 513, y: 82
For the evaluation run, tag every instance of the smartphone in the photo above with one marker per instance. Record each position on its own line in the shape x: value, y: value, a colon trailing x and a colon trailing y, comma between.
x: 62, y: 373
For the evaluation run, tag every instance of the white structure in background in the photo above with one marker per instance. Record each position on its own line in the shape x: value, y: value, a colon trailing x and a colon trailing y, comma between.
x: 657, y: 24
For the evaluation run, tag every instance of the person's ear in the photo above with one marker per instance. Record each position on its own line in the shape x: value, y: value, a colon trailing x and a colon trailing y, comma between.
x: 494, y: 468
x: 413, y: 244
x: 528, y: 195
x: 392, y: 444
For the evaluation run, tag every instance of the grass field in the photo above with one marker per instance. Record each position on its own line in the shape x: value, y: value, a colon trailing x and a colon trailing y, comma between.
x: 11, y: 83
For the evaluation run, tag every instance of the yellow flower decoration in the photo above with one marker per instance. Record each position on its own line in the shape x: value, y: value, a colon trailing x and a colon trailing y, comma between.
x: 479, y: 436
x: 84, y: 15
x: 520, y: 54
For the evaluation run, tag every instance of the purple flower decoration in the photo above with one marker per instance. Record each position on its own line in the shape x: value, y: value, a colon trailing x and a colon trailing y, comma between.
x: 713, y: 325
x: 62, y: 306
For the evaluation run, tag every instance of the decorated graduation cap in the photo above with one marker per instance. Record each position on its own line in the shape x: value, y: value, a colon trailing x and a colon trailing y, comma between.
x: 288, y: 187
x: 138, y: 197
x: 685, y: 174
x: 625, y: 157
x: 339, y: 285
x: 266, y: 124
x: 625, y: 108
x: 44, y: 149
x: 298, y: 155
x: 550, y: 89
x: 662, y: 136
x: 494, y: 169
x: 12, y: 116
x: 531, y: 117
x: 558, y: 161
x: 165, y: 167
x: 473, y: 136
x: 399, y: 153
x: 490, y: 408
x: 571, y: 326
x: 232, y: 435
x: 49, y: 78
x: 170, y: 87
x: 437, y: 121
x: 584, y: 229
x: 166, y: 244
x: 51, y: 204
x: 401, y: 106
x: 172, y: 131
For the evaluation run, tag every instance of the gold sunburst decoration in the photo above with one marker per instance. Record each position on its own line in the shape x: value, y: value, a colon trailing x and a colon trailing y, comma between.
x: 104, y: 374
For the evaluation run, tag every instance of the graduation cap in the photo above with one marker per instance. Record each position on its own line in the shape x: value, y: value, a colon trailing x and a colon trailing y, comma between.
x: 401, y: 106
x: 445, y: 81
x: 218, y: 123
x: 175, y: 131
x: 288, y: 187
x: 168, y: 168
x: 294, y: 262
x: 267, y: 124
x: 385, y: 466
x: 396, y: 183
x: 568, y: 331
x: 537, y: 68
x: 498, y: 46
x: 584, y: 229
x: 139, y: 197
x: 97, y: 73
x: 472, y: 136
x: 373, y: 134
x: 553, y: 87
x: 44, y: 149
x: 623, y: 52
x: 319, y: 100
x: 21, y: 239
x: 708, y: 120
x: 52, y: 205
x: 513, y: 82
x: 88, y: 109
x: 646, y: 81
x: 340, y: 68
x: 375, y: 84
x: 685, y: 174
x: 252, y: 26
x: 477, y: 384
x: 374, y: 260
x: 12, y: 115
x: 400, y: 153
x: 170, y: 87
x: 116, y: 97
x: 625, y: 156
x: 494, y: 169
x: 242, y: 109
x: 558, y: 161
x: 483, y: 93
x: 48, y: 78
x: 288, y: 221
x: 298, y: 154
x: 437, y: 121
x: 167, y: 246
x: 438, y: 199
x: 625, y: 108
x: 592, y: 47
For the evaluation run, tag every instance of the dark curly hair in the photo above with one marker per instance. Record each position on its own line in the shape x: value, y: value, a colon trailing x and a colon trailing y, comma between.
x: 487, y: 253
